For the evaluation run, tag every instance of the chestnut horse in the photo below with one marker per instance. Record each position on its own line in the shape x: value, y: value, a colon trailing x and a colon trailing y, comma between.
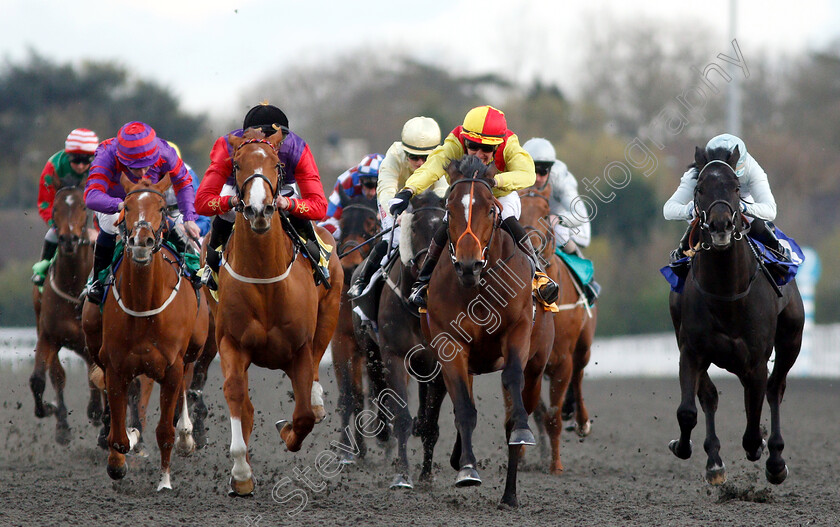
x: 154, y: 323
x: 58, y: 310
x: 351, y: 357
x: 730, y: 315
x: 574, y: 326
x: 481, y: 318
x: 270, y: 312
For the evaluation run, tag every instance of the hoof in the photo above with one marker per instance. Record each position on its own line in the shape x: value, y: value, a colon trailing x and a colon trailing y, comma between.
x: 508, y: 503
x: 402, y: 481
x: 320, y: 413
x: 46, y: 410
x: 94, y: 412
x: 776, y: 479
x: 521, y: 436
x: 716, y: 476
x: 283, y: 427
x: 584, y: 430
x: 139, y: 451
x: 63, y: 434
x: 346, y: 458
x: 117, y: 472
x: 184, y: 443
x: 164, y: 484
x: 242, y: 489
x: 755, y: 456
x: 102, y: 440
x: 557, y: 469
x: 673, y: 446
x: 468, y: 477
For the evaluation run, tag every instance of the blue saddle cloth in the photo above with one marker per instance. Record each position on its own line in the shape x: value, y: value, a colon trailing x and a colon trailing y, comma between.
x: 782, y: 271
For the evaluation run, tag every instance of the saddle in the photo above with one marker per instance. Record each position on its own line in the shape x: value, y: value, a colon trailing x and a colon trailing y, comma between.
x: 311, y: 246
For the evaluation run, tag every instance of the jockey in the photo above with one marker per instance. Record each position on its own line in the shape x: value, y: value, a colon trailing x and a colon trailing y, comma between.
x: 420, y: 135
x: 484, y: 134
x: 65, y: 168
x: 757, y: 201
x: 217, y: 197
x: 138, y: 153
x: 572, y: 230
x: 357, y: 181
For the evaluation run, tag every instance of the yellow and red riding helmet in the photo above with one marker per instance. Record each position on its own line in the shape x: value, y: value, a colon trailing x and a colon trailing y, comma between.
x: 485, y: 125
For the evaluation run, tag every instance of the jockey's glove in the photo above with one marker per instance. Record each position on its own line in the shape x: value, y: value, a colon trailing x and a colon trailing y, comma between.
x: 400, y: 202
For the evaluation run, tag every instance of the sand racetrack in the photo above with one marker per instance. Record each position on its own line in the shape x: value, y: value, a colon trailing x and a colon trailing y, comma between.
x: 622, y: 474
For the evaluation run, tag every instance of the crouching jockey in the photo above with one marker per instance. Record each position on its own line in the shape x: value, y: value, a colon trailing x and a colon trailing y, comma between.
x: 485, y: 135
x: 217, y: 194
x: 569, y: 216
x: 65, y: 168
x: 137, y: 153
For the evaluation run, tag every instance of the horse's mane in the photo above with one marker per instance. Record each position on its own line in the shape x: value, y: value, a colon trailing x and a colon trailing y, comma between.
x: 470, y: 166
x: 426, y: 199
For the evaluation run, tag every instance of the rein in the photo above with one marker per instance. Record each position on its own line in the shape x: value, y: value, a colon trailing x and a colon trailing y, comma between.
x: 59, y: 292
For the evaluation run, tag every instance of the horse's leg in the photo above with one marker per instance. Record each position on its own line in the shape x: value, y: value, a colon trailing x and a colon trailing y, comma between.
x: 582, y: 353
x: 234, y: 370
x: 120, y: 440
x: 377, y: 374
x: 788, y: 344
x: 342, y: 364
x: 328, y: 309
x: 94, y: 408
x: 540, y: 416
x: 568, y: 412
x: 195, y: 394
x: 755, y: 389
x: 357, y: 396
x: 514, y: 381
x: 58, y: 377
x: 303, y: 418
x: 459, y: 385
x: 558, y: 389
x: 171, y: 391
x: 139, y: 393
x: 395, y: 404
x: 105, y: 430
x: 687, y: 410
x: 430, y: 431
x: 417, y: 423
x: 708, y: 395
x: 45, y: 353
x: 184, y: 443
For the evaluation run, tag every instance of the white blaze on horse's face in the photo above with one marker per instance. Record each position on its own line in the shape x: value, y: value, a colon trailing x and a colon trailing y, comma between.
x: 257, y: 194
x: 69, y: 200
x: 467, y: 202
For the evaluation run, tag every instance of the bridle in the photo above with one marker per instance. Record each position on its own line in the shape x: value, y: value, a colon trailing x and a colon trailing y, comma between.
x: 415, y: 258
x: 706, y: 212
x: 158, y: 233
x: 275, y: 188
x: 81, y: 240
x: 468, y: 230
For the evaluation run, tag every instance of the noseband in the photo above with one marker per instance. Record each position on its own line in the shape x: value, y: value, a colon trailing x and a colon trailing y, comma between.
x: 468, y: 230
x: 158, y: 233
x: 705, y: 213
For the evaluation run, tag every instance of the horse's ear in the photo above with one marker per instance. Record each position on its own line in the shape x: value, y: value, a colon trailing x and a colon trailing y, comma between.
x: 163, y: 184
x: 452, y: 170
x: 343, y: 198
x: 126, y: 183
x: 235, y: 141
x: 276, y: 138
x: 700, y: 157
x: 734, y: 157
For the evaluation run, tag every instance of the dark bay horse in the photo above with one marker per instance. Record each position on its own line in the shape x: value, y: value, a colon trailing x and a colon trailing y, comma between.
x: 404, y: 350
x: 729, y: 315
x: 351, y: 358
x: 481, y: 318
x: 270, y: 312
x: 58, y: 311
x: 574, y: 326
x: 153, y: 323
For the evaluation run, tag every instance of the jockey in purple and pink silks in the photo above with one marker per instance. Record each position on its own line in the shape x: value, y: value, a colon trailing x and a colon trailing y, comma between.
x: 138, y: 153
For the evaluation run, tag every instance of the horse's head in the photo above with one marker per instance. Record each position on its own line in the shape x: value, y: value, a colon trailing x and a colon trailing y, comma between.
x: 256, y: 166
x: 143, y: 218
x: 419, y: 224
x: 473, y: 216
x: 717, y: 196
x: 536, y: 218
x: 359, y: 222
x: 69, y: 217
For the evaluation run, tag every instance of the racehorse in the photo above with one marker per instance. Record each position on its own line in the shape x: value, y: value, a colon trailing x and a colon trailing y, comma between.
x: 480, y: 316
x: 270, y: 312
x: 154, y: 323
x: 351, y: 357
x: 574, y: 325
x: 729, y: 315
x: 402, y: 347
x: 58, y: 310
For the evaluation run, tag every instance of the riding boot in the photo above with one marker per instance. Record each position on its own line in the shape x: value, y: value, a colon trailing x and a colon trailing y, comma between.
x: 102, y: 256
x: 369, y: 266
x: 592, y: 290
x: 219, y: 234
x: 177, y: 239
x: 548, y: 289
x: 40, y: 268
x: 765, y: 232
x: 306, y: 229
x: 418, y: 290
x: 681, y: 250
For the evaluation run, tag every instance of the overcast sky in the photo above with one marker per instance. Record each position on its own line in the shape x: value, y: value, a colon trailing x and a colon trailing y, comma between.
x: 209, y: 51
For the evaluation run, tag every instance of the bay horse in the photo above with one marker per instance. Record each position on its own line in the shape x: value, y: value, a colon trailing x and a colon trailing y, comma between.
x: 154, y: 323
x: 481, y: 318
x: 58, y: 311
x: 574, y: 326
x: 729, y: 315
x: 404, y: 350
x: 351, y: 357
x: 270, y: 312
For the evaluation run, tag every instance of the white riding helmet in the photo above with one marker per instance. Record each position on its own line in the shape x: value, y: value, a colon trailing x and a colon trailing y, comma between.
x: 729, y: 142
x: 540, y: 150
x: 420, y: 135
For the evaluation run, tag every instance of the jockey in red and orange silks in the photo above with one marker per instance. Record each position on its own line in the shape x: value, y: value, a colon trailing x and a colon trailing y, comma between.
x: 137, y: 152
x: 217, y: 193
